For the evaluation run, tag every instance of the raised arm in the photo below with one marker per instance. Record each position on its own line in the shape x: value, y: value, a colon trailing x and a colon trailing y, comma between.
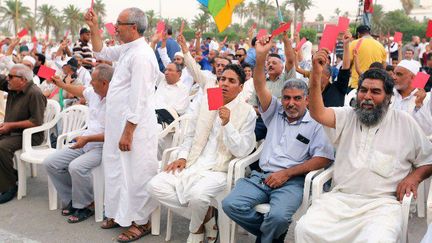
x: 262, y: 48
x: 289, y: 52
x: 193, y: 67
x: 346, y: 62
x: 92, y: 21
x: 198, y: 43
x: 321, y: 114
x: 75, y: 90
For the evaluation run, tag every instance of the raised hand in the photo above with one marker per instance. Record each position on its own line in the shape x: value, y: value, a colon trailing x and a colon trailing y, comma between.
x: 263, y: 46
x: 182, y: 42
x: 91, y: 19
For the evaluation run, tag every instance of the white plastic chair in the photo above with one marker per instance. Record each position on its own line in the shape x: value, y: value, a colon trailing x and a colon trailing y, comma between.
x: 223, y: 219
x: 74, y: 118
x: 241, y: 171
x: 51, y: 116
x: 349, y: 97
x: 326, y: 175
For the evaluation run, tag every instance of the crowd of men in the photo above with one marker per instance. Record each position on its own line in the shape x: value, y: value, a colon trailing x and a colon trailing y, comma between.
x: 292, y: 98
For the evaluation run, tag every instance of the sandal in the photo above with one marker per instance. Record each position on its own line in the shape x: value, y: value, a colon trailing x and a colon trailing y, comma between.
x: 80, y: 215
x: 211, y: 230
x: 195, y: 238
x: 68, y: 210
x: 109, y: 223
x: 132, y: 235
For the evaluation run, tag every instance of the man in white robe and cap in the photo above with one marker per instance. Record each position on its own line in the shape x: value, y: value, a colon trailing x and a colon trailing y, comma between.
x: 130, y: 149
x: 381, y: 156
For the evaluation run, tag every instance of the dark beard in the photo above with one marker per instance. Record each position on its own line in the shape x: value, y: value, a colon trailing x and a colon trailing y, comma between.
x: 371, y: 117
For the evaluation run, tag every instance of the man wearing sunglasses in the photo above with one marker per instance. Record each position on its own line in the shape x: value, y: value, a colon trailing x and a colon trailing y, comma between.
x: 241, y: 55
x: 25, y: 108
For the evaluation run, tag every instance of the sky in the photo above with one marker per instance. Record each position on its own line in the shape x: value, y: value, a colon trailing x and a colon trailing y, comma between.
x: 189, y: 8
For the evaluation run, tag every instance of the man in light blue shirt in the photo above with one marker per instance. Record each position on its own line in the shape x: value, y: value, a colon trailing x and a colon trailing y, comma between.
x: 295, y: 145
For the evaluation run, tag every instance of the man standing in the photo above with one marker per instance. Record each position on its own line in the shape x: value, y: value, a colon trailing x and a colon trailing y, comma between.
x: 130, y: 148
x: 83, y: 48
x: 25, y: 108
x: 374, y: 165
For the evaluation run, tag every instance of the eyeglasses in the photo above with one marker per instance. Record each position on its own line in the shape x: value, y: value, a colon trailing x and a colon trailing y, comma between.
x: 125, y: 23
x: 11, y: 76
x: 239, y: 55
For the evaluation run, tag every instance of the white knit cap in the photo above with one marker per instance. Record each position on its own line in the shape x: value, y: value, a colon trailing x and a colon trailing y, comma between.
x: 412, y: 65
x: 179, y: 53
x: 30, y: 59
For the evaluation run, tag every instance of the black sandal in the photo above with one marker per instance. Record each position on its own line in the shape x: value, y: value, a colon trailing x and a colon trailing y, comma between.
x: 80, y: 215
x: 68, y: 210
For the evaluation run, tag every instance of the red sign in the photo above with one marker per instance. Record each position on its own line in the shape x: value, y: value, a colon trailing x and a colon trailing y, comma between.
x: 215, y: 98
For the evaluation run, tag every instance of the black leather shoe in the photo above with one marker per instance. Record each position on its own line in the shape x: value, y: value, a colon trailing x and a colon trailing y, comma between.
x: 8, y: 195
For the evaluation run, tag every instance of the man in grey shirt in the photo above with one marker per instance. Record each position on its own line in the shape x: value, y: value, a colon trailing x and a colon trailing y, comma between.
x: 276, y: 76
x: 295, y: 145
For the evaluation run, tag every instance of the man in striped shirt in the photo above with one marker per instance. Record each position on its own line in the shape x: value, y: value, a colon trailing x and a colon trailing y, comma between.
x: 83, y: 48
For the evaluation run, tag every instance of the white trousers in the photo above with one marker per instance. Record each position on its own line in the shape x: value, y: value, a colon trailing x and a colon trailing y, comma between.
x: 201, y: 189
x: 339, y: 217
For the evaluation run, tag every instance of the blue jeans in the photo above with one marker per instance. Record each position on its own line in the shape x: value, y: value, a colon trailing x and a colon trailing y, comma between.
x: 284, y: 201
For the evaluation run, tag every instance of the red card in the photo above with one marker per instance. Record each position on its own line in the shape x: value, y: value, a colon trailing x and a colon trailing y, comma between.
x: 261, y: 33
x: 397, y: 37
x: 343, y: 24
x: 22, y: 33
x: 357, y: 47
x: 329, y: 37
x: 214, y: 97
x: 67, y: 33
x: 429, y: 29
x: 92, y: 4
x: 254, y: 25
x: 281, y: 29
x: 300, y: 44
x: 298, y: 28
x: 420, y: 80
x: 160, y: 28
x: 34, y: 39
x: 110, y: 28
x: 46, y: 72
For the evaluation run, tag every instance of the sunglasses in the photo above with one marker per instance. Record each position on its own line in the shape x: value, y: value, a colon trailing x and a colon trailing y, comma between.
x: 239, y: 55
x: 11, y: 76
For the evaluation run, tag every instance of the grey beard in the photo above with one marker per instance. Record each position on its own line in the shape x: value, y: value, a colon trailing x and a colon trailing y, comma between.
x: 371, y: 117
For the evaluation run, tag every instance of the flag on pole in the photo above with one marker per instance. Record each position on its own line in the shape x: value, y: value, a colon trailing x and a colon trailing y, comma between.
x: 221, y: 10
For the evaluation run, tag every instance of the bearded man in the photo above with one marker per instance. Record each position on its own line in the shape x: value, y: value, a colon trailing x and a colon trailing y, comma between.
x: 376, y: 149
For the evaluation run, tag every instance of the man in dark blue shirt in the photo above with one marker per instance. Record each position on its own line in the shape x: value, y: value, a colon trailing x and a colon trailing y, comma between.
x: 172, y: 48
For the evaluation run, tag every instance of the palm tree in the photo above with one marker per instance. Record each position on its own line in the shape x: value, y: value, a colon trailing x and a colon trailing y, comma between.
x: 407, y: 5
x: 59, y: 27
x: 151, y: 19
x: 74, y: 19
x: 99, y: 8
x: 263, y: 7
x: 252, y: 10
x: 200, y: 22
x: 9, y: 12
x: 377, y: 20
x: 346, y: 14
x: 241, y: 11
x: 337, y: 11
x: 305, y: 5
x: 28, y: 23
x: 319, y: 18
x: 47, y: 17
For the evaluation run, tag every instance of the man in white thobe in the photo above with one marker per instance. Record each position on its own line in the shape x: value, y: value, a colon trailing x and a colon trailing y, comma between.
x: 376, y: 150
x: 406, y: 97
x: 130, y: 148
x: 215, y: 138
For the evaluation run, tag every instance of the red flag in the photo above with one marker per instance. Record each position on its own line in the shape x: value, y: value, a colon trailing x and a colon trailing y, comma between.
x: 329, y: 37
x: 281, y: 29
x: 429, y: 29
x: 22, y: 33
x: 397, y: 37
x: 215, y: 98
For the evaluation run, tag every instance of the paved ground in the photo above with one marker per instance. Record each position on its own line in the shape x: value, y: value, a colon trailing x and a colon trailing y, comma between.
x: 29, y: 220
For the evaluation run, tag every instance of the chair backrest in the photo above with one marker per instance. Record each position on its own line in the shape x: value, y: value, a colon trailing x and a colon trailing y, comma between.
x: 74, y: 118
x: 182, y: 128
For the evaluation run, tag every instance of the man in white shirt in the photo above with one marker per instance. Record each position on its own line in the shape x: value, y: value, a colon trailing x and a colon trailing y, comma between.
x: 82, y: 73
x: 130, y: 147
x: 70, y: 169
x: 406, y: 97
x: 171, y: 94
x: 213, y: 140
x: 381, y: 155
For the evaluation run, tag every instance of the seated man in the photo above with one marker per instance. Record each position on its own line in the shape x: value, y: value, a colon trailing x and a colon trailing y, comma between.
x: 213, y: 140
x: 295, y: 145
x: 377, y: 148
x: 171, y: 94
x: 25, y: 108
x: 70, y: 169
